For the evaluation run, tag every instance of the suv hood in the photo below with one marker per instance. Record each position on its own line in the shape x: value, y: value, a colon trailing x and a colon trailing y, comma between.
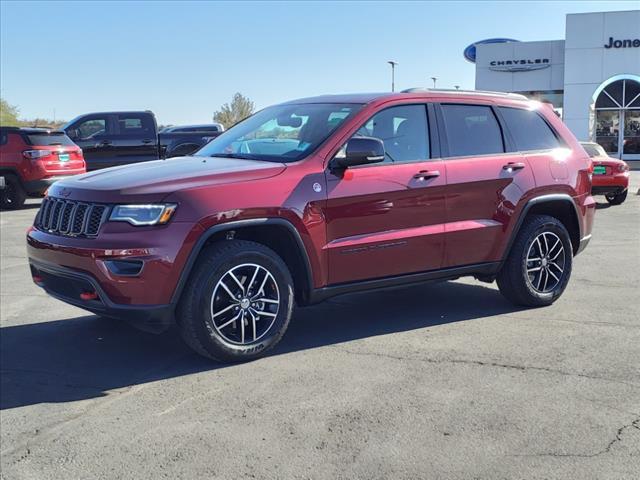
x: 152, y: 181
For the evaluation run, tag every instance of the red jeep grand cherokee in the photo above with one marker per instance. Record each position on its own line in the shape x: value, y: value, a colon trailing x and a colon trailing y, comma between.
x: 320, y: 197
x: 31, y: 159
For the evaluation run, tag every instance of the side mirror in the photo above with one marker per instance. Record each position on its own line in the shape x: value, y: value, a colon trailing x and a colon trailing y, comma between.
x: 360, y: 151
x: 72, y: 133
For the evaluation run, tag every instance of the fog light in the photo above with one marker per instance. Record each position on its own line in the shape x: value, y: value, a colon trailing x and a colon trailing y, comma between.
x: 88, y: 295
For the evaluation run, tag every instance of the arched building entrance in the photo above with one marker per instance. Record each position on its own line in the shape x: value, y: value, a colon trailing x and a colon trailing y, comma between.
x: 615, y: 116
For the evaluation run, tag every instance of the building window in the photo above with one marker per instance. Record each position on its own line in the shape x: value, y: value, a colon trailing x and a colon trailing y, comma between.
x: 616, y: 119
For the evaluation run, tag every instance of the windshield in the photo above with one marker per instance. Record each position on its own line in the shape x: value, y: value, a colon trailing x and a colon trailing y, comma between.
x: 594, y: 150
x: 282, y: 133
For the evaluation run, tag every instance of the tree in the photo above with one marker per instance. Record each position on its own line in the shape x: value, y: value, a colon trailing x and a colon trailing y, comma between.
x: 230, y: 114
x: 8, y: 114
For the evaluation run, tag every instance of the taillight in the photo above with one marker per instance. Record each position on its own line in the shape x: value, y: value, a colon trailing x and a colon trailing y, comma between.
x: 36, y: 154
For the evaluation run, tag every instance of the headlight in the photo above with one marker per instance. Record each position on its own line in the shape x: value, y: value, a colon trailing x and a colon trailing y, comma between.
x: 154, y: 214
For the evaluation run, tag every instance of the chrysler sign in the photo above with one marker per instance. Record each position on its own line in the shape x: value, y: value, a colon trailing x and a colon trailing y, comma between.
x: 519, y: 65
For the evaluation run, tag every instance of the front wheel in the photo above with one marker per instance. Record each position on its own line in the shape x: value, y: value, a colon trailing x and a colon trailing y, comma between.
x: 237, y: 303
x: 616, y: 198
x: 538, y: 267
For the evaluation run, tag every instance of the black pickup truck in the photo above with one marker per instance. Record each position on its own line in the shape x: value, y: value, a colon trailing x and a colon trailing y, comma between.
x: 108, y: 139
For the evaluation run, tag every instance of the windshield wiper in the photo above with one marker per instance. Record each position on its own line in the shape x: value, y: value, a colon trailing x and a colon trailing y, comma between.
x: 234, y: 155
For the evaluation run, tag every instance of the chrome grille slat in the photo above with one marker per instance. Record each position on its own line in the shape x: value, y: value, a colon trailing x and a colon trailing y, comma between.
x: 71, y: 218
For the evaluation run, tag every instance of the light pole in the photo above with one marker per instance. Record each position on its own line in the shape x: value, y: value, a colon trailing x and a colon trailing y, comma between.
x: 434, y: 81
x: 393, y: 74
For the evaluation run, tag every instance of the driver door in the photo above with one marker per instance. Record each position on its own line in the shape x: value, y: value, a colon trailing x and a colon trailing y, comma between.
x: 93, y: 134
x: 387, y: 219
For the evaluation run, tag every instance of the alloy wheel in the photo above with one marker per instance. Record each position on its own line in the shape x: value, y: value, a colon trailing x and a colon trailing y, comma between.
x: 244, y: 304
x: 545, y: 262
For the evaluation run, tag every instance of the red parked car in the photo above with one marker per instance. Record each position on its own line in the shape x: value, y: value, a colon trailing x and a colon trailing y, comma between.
x: 31, y: 159
x: 610, y: 175
x: 320, y: 197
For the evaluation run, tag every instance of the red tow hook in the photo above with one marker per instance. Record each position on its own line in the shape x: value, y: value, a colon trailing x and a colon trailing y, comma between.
x: 38, y: 280
x: 88, y: 295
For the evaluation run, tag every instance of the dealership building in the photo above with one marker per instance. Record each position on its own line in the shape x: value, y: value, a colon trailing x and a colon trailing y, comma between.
x: 592, y: 77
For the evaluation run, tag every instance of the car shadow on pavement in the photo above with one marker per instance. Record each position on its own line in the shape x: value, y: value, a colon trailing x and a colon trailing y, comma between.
x: 84, y: 357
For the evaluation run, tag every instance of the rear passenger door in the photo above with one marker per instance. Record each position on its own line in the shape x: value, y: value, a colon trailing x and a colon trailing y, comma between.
x: 135, y: 139
x: 485, y: 179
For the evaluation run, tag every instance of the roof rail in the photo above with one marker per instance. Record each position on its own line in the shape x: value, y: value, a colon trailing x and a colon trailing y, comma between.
x: 465, y: 92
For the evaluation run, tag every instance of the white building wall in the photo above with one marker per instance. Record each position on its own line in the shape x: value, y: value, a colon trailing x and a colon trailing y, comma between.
x: 588, y: 63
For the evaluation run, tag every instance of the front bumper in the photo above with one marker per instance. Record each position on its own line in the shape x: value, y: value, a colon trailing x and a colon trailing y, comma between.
x: 70, y: 266
x: 69, y: 286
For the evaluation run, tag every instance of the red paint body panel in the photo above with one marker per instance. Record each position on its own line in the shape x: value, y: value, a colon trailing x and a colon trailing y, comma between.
x: 369, y: 222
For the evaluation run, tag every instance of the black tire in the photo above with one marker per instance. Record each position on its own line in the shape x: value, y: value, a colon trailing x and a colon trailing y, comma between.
x: 13, y: 195
x: 195, y: 310
x: 515, y: 281
x: 616, y: 198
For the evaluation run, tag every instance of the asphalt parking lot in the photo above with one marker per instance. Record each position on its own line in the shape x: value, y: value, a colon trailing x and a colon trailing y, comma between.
x: 444, y: 380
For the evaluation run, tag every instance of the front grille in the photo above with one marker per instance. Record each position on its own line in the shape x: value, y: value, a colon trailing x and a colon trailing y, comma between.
x: 71, y: 218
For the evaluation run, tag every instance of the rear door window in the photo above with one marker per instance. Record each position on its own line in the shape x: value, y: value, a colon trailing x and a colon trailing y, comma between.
x: 528, y: 129
x: 471, y: 130
x: 135, y: 125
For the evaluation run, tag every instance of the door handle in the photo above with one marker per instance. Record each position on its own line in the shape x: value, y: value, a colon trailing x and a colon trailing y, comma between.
x: 512, y: 166
x: 426, y: 174
x: 147, y: 140
x: 104, y: 143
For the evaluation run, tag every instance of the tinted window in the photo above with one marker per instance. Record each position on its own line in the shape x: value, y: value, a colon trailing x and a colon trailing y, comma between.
x: 403, y: 130
x: 472, y: 130
x: 135, y: 124
x: 282, y: 133
x: 529, y: 130
x: 91, y: 128
x: 50, y: 139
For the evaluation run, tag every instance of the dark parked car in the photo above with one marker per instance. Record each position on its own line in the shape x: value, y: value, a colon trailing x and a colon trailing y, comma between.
x: 320, y: 197
x: 117, y: 138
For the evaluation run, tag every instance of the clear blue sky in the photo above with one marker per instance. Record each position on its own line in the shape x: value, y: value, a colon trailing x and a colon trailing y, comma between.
x: 184, y: 59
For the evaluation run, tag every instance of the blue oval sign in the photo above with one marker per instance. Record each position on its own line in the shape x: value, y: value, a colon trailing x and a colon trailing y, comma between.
x: 470, y: 52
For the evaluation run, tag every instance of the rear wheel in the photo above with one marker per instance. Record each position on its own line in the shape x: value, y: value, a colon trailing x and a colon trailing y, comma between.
x: 13, y: 195
x: 538, y: 267
x: 616, y: 198
x: 237, y: 303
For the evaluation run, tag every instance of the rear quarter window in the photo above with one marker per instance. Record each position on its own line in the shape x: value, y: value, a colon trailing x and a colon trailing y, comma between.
x: 529, y: 130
